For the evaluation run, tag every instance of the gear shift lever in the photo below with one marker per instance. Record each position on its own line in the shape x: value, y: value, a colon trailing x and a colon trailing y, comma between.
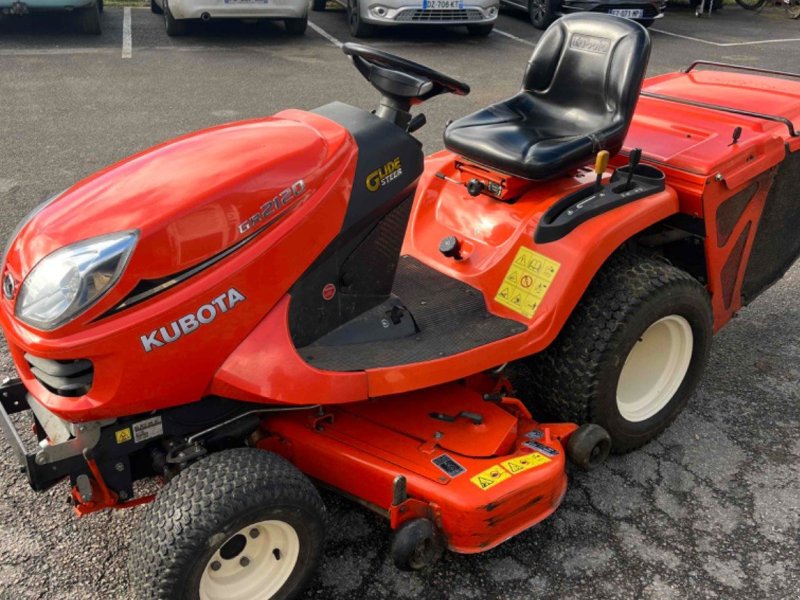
x: 633, y: 162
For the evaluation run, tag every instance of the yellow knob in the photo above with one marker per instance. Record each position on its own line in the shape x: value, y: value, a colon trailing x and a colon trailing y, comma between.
x: 601, y: 162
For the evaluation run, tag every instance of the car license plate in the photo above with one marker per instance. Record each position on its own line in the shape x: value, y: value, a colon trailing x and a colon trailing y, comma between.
x: 442, y: 4
x: 628, y: 13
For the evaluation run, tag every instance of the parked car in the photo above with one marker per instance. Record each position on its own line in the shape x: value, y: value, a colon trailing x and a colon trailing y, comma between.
x: 544, y: 12
x: 87, y: 11
x: 179, y: 14
x: 363, y: 16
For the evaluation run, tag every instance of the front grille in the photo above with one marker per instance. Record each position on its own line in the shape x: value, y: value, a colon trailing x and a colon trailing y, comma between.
x: 69, y: 378
x: 432, y: 16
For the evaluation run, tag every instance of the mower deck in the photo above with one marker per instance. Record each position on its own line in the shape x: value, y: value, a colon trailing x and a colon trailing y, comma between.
x: 481, y: 470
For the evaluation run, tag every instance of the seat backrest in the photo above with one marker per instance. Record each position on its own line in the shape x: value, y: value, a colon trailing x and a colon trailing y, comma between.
x: 592, y: 64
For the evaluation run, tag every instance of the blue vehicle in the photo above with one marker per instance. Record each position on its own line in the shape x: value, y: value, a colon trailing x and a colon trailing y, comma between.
x: 87, y: 11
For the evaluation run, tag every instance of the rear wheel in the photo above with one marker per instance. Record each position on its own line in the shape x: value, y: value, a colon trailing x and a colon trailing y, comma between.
x: 155, y: 8
x: 175, y: 27
x: 751, y: 4
x: 358, y: 28
x: 646, y: 23
x: 540, y: 13
x: 480, y: 30
x: 631, y: 353
x: 241, y: 524
x: 319, y: 5
x: 296, y: 26
x: 90, y: 19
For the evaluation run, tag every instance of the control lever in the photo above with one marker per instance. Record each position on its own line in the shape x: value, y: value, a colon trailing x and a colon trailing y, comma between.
x: 600, y: 166
x: 475, y: 418
x: 633, y: 162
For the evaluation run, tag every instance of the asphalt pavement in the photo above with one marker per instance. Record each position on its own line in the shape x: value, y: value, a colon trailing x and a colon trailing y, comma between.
x: 710, y: 510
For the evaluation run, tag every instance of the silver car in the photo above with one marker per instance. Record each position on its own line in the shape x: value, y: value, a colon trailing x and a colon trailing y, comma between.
x: 363, y: 16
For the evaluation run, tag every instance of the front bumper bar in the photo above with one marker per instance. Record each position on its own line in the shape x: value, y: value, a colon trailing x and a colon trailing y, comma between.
x: 13, y: 400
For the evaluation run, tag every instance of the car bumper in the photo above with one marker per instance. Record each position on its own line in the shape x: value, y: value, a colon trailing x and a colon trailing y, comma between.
x: 220, y: 9
x: 26, y: 6
x: 401, y: 12
x: 650, y: 10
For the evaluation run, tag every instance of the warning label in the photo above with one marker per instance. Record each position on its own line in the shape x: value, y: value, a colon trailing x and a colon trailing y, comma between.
x: 490, y: 477
x: 147, y: 429
x: 523, y: 463
x: 123, y: 435
x: 526, y: 282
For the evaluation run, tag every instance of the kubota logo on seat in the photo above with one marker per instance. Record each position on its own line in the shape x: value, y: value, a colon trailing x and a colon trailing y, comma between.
x: 193, y: 321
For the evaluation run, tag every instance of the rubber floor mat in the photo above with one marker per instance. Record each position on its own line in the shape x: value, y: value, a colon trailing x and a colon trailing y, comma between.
x: 450, y: 315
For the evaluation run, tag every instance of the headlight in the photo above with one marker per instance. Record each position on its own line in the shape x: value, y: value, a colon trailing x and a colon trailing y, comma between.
x: 68, y: 281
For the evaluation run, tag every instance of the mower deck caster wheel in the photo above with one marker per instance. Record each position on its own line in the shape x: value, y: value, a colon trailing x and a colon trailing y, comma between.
x: 589, y: 446
x: 417, y: 544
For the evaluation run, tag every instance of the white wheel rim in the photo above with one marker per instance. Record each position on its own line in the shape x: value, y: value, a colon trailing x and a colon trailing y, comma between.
x: 252, y: 564
x: 655, y: 368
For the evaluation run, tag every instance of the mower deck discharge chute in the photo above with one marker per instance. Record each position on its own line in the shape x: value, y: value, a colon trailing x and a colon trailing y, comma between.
x: 303, y: 299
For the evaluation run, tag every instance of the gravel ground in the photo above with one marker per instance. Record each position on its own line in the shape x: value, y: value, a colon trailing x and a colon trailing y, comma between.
x: 710, y: 510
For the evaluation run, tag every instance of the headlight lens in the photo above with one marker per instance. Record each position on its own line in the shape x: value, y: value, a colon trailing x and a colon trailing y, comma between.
x: 68, y: 281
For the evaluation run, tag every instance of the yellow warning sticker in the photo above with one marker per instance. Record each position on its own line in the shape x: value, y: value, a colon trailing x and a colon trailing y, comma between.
x: 523, y: 463
x: 527, y: 281
x: 123, y: 435
x: 490, y: 477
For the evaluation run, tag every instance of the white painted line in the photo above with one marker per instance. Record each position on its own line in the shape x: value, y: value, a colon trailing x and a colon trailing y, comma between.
x: 53, y: 51
x: 515, y: 38
x: 725, y: 44
x: 325, y: 34
x: 127, y: 42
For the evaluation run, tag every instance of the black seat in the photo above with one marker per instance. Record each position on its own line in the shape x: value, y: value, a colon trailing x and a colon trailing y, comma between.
x: 578, y: 97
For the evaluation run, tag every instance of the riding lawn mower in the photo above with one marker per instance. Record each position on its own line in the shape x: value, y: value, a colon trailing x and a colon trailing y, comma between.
x: 253, y: 311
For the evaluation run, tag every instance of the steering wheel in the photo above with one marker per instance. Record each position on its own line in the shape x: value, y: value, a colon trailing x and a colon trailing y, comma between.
x: 395, y: 76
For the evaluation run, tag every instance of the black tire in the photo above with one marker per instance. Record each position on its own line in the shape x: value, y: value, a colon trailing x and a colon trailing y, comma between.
x: 100, y: 6
x: 541, y: 13
x: 416, y: 545
x: 480, y: 30
x: 90, y: 19
x: 296, y: 26
x: 319, y: 5
x: 155, y: 8
x: 646, y: 23
x: 589, y: 446
x: 750, y: 4
x: 358, y: 28
x: 576, y: 377
x: 175, y: 27
x: 199, y: 513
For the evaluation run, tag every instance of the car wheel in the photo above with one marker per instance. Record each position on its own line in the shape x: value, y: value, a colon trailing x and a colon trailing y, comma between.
x: 100, y: 6
x: 358, y: 28
x: 90, y: 19
x: 241, y: 523
x: 155, y: 8
x: 175, y: 27
x: 540, y: 13
x: 646, y: 23
x: 631, y: 353
x: 296, y: 26
x: 319, y: 5
x: 480, y: 30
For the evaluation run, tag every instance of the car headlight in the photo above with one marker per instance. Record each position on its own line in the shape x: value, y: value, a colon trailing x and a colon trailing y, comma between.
x: 68, y: 281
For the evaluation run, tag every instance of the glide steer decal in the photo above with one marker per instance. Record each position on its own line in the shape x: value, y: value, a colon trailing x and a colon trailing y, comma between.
x: 193, y: 321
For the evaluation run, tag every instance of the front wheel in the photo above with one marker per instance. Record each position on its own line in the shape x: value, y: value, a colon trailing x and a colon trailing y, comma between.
x: 631, y: 353
x: 541, y: 13
x: 90, y: 19
x: 319, y: 5
x: 296, y: 26
x: 480, y: 30
x: 358, y: 28
x: 242, y: 524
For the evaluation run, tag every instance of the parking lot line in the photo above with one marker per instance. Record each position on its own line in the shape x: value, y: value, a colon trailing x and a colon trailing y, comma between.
x: 726, y: 44
x: 325, y: 34
x: 515, y: 38
x: 127, y: 41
